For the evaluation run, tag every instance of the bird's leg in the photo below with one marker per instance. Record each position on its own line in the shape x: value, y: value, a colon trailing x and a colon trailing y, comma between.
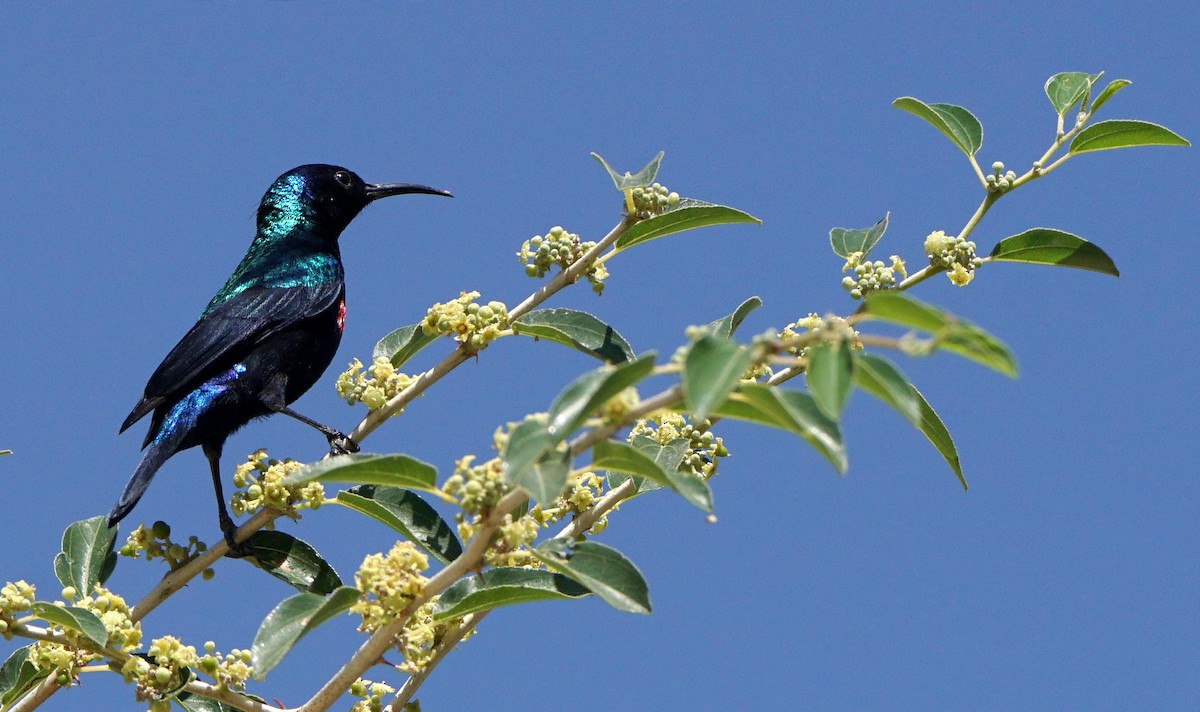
x: 236, y: 550
x: 339, y: 442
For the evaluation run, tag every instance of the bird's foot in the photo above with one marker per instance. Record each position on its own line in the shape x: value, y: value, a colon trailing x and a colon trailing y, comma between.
x: 341, y: 444
x: 237, y: 550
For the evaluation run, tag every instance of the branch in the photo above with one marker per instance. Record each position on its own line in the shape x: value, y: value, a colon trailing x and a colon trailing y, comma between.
x: 451, y: 638
x: 376, y: 417
x: 179, y: 578
x: 40, y: 694
x: 470, y: 560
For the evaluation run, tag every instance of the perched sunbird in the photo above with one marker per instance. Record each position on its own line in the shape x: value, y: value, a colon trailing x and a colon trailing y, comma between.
x: 268, y: 334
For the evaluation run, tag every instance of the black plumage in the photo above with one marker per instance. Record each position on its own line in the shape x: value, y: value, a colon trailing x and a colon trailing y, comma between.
x: 267, y: 335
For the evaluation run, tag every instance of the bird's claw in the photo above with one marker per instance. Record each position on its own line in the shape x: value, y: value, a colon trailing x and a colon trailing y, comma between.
x: 341, y: 444
x: 237, y: 550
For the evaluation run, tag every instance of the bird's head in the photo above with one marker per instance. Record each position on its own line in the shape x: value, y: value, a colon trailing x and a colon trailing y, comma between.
x: 324, y: 199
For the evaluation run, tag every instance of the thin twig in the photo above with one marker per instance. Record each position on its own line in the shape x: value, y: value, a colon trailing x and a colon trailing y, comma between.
x: 451, y: 638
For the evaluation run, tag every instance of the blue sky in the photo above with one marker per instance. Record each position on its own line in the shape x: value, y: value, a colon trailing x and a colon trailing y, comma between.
x: 138, y: 142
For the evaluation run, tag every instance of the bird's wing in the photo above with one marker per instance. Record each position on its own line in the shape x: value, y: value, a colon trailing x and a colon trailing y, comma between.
x: 226, y: 334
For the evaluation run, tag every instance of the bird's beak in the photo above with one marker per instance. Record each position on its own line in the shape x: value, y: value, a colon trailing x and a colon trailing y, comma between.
x: 384, y: 190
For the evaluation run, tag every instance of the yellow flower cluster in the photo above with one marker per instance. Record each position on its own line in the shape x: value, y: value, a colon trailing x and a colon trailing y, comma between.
x: 155, y: 543
x: 230, y: 671
x: 871, y: 276
x: 954, y: 254
x: 372, y: 694
x: 16, y: 597
x: 65, y: 660
x: 474, y: 325
x: 260, y: 484
x: 831, y: 328
x: 650, y: 201
x: 704, y: 448
x: 123, y: 634
x: 389, y: 582
x: 477, y: 488
x: 374, y: 387
x: 561, y: 248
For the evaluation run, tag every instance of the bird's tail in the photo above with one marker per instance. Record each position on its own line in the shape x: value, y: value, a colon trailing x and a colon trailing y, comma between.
x: 158, y: 451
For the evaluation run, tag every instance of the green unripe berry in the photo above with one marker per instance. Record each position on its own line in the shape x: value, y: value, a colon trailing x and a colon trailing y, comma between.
x: 160, y: 530
x: 254, y: 491
x: 847, y: 283
x: 358, y: 689
x: 62, y: 679
x: 162, y: 676
x: 3, y: 626
x: 673, y: 199
x: 856, y: 293
x: 69, y: 592
x: 209, y: 664
x: 531, y: 270
x: 175, y: 551
x: 472, y: 308
x: 246, y: 657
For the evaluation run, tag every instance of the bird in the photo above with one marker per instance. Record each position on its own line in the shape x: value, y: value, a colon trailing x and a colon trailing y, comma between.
x: 267, y: 335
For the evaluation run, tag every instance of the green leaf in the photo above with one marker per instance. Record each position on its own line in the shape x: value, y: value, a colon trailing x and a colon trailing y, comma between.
x: 689, y: 214
x: 291, y: 620
x: 830, y: 376
x: 668, y: 458
x: 578, y: 330
x: 711, y: 370
x: 74, y: 618
x: 1113, y: 87
x: 504, y: 586
x: 726, y: 325
x: 882, y: 379
x: 601, y: 569
x: 1124, y: 133
x: 641, y: 179
x: 545, y: 479
x: 1046, y: 246
x: 588, y: 393
x: 407, y: 513
x: 292, y: 561
x: 200, y: 703
x: 949, y: 332
x: 18, y: 676
x: 959, y: 125
x: 620, y: 457
x: 390, y: 470
x: 87, y: 555
x: 531, y: 461
x: 788, y: 410
x: 1067, y: 89
x: 402, y: 344
x: 846, y: 241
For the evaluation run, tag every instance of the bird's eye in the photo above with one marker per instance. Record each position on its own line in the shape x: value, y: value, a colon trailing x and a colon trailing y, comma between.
x: 343, y: 177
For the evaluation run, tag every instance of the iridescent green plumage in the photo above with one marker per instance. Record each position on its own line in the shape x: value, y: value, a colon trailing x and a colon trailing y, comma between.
x: 267, y: 335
